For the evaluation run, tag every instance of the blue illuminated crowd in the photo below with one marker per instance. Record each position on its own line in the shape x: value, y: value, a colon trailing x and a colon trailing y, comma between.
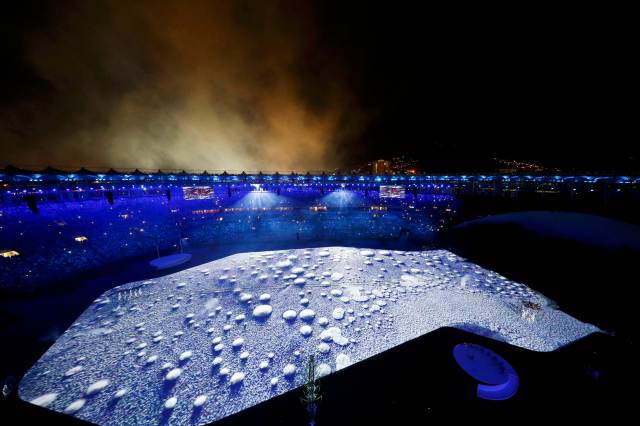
x: 73, y: 233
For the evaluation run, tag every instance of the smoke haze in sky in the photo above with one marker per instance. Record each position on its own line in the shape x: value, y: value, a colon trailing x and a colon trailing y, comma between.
x: 197, y: 85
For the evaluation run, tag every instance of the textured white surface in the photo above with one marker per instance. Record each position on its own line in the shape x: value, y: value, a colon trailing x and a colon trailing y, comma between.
x: 209, y: 338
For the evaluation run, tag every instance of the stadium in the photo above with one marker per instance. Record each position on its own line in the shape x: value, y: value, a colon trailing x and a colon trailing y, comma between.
x: 199, y: 297
x: 304, y: 212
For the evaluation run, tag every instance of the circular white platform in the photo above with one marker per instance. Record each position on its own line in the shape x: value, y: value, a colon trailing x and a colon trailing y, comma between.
x: 170, y: 261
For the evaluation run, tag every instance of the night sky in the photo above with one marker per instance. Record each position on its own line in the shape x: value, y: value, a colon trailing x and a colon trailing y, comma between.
x: 288, y: 85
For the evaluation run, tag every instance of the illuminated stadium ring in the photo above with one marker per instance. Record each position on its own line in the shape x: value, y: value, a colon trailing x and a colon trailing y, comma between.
x: 499, y: 380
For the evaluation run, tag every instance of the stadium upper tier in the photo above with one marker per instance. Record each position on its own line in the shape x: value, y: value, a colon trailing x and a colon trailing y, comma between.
x: 18, y: 176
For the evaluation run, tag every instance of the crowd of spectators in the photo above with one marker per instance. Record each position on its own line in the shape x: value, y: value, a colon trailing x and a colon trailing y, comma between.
x: 66, y: 237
